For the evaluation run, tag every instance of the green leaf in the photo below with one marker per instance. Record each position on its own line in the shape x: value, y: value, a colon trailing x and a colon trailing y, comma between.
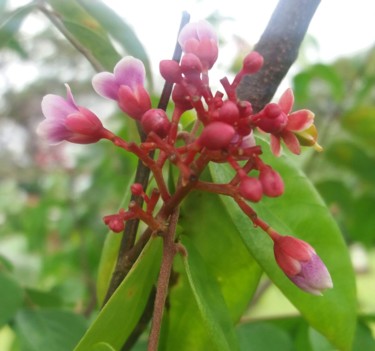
x: 120, y: 315
x: 353, y: 158
x: 102, y: 346
x: 263, y: 336
x: 207, y: 224
x: 11, y: 297
x: 301, y: 212
x: 360, y: 122
x: 52, y: 330
x: 209, y: 300
x: 87, y: 32
x: 325, y: 73
x: 118, y: 29
x: 10, y: 27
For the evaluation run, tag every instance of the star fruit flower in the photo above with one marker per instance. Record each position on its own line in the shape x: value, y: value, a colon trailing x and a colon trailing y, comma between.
x: 65, y: 120
x: 294, y: 128
x: 126, y: 86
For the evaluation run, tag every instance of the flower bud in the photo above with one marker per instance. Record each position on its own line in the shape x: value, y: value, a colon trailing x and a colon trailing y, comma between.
x: 156, y: 120
x: 252, y: 63
x: 272, y: 182
x: 170, y: 71
x: 273, y: 119
x: 251, y: 189
x: 228, y: 112
x: 137, y: 189
x: 216, y: 135
x: 301, y: 264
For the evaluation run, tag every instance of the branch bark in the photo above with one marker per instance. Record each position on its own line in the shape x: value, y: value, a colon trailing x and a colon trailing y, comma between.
x: 279, y: 45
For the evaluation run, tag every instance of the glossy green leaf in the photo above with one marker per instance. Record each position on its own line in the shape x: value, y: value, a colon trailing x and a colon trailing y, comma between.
x: 263, y: 336
x: 11, y: 298
x: 360, y: 122
x: 364, y: 339
x: 87, y: 32
x: 52, y: 330
x: 301, y: 212
x: 199, y: 318
x: 10, y: 27
x: 206, y: 223
x: 120, y: 315
x: 118, y: 29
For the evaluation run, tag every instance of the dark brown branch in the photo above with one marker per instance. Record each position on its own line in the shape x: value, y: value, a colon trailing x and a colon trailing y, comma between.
x: 279, y: 45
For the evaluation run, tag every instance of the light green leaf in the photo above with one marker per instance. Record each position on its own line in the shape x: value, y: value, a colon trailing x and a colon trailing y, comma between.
x: 102, y: 346
x: 198, y: 316
x: 87, y: 32
x: 11, y: 297
x: 263, y: 336
x: 206, y: 223
x: 360, y: 122
x: 52, y: 330
x: 120, y: 315
x: 301, y: 212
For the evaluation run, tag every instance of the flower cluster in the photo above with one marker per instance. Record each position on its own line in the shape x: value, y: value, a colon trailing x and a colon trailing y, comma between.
x: 223, y: 133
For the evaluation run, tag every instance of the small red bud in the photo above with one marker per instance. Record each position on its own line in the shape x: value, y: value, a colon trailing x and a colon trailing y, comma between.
x: 228, y: 112
x: 252, y: 63
x: 251, y: 189
x: 170, y: 71
x: 272, y: 182
x: 216, y: 135
x: 137, y: 189
x: 181, y: 98
x: 156, y: 120
x: 191, y: 65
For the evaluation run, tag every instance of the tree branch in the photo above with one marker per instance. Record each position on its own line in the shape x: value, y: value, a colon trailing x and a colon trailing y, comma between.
x: 279, y: 45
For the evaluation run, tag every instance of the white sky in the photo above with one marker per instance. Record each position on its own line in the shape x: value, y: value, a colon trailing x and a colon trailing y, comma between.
x: 341, y: 27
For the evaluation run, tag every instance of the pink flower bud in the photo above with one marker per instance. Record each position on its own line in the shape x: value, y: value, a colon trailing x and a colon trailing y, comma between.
x: 65, y: 120
x: 250, y: 189
x: 115, y: 223
x: 301, y: 264
x: 272, y: 182
x: 216, y: 135
x: 181, y: 98
x: 170, y: 71
x: 252, y: 63
x: 228, y: 112
x: 191, y: 66
x: 156, y: 120
x: 273, y: 119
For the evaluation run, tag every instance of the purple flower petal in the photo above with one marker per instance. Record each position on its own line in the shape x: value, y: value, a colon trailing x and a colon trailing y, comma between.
x: 205, y: 30
x: 53, y: 130
x: 56, y: 107
x: 105, y: 84
x: 130, y: 72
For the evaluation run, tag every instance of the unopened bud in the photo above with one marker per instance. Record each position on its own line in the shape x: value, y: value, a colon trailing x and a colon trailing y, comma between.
x: 216, y: 135
x: 251, y: 189
x: 252, y: 63
x: 156, y: 120
x: 272, y: 182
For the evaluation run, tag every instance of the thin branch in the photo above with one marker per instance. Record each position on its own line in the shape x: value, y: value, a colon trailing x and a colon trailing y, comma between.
x: 279, y: 45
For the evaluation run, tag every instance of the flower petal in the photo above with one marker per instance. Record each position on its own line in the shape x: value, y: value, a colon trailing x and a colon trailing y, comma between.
x: 205, y: 30
x: 105, y: 84
x: 130, y: 72
x: 56, y: 107
x: 275, y: 145
x: 53, y: 130
x: 286, y: 101
x: 300, y: 120
x: 291, y: 141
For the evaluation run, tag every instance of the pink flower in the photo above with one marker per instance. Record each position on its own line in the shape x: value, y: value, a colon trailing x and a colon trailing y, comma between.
x: 67, y: 121
x: 301, y: 264
x: 283, y: 125
x: 199, y: 38
x: 126, y: 86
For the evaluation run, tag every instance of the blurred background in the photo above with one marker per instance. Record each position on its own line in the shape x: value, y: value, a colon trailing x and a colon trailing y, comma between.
x: 52, y: 198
